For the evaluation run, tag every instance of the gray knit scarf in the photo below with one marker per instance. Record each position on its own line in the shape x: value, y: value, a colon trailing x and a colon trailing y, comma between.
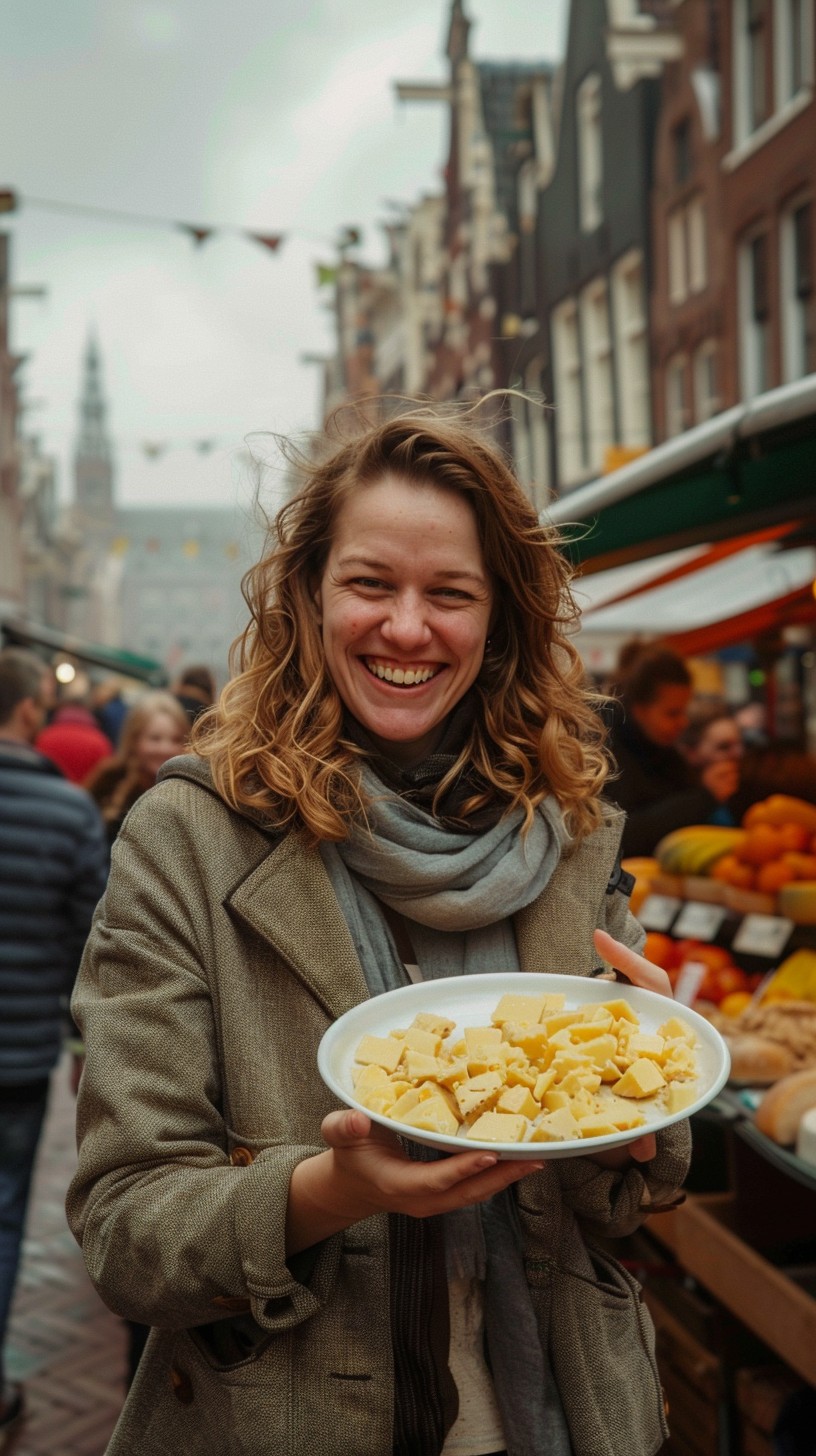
x: 458, y: 891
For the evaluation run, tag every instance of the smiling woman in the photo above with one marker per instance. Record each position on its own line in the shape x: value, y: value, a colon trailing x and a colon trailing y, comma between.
x: 402, y: 782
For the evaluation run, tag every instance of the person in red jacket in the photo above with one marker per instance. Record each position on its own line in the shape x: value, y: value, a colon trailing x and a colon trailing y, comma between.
x: 74, y: 741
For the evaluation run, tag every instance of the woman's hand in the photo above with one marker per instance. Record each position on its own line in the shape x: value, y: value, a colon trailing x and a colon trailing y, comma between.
x: 366, y: 1171
x: 635, y: 967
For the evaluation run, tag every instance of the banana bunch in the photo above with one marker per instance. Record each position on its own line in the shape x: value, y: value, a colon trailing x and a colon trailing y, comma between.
x: 695, y: 849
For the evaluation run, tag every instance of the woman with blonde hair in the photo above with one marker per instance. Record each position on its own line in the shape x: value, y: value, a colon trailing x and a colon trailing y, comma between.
x: 156, y: 728
x: 403, y: 780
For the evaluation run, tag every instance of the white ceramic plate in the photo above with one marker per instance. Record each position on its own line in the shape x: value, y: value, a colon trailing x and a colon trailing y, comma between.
x: 470, y: 1001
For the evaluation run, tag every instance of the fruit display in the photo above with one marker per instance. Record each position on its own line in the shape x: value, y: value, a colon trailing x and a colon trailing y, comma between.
x: 772, y: 854
x: 723, y: 981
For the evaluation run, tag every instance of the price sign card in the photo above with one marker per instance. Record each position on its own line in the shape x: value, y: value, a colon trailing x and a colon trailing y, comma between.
x: 658, y: 911
x: 762, y: 935
x: 699, y: 921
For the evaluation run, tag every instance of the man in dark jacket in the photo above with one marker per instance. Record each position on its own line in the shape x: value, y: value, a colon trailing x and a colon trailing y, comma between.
x: 53, y: 862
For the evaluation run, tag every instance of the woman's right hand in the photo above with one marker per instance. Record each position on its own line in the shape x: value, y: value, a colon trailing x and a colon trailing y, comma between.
x: 366, y: 1171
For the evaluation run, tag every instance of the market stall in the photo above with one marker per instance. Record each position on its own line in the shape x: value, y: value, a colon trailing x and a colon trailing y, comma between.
x: 706, y: 543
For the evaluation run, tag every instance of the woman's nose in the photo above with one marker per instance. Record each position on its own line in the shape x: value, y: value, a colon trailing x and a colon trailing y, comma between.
x: 406, y: 624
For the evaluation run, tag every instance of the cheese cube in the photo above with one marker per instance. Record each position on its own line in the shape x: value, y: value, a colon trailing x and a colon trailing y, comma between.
x: 679, y: 1096
x: 429, y: 1021
x: 498, y: 1127
x: 382, y: 1051
x: 555, y: 1127
x: 418, y: 1067
x: 369, y: 1076
x: 478, y: 1094
x: 642, y: 1079
x: 677, y: 1029
x: 620, y: 1010
x: 517, y: 1099
x: 420, y: 1040
x: 431, y: 1115
x: 643, y: 1045
x: 595, y: 1125
x: 524, y: 1009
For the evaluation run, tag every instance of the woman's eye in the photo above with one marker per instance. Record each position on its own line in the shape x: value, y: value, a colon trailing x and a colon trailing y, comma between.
x: 369, y: 582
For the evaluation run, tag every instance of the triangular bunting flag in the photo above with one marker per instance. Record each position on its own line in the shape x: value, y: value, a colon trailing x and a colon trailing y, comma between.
x: 325, y: 273
x: 272, y: 241
x: 199, y: 235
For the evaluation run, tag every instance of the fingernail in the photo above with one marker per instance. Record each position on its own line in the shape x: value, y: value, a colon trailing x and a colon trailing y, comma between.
x: 488, y: 1160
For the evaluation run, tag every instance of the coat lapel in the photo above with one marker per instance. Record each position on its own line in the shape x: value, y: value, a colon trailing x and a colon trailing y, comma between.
x: 288, y: 900
x: 554, y: 933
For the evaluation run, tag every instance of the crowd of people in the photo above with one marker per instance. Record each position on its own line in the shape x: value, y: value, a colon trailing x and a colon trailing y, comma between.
x: 408, y: 776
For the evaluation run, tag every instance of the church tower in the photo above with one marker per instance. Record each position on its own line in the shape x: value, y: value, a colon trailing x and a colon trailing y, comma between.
x: 93, y: 457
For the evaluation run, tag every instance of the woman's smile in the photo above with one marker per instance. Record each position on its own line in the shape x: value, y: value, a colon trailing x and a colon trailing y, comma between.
x: 405, y: 602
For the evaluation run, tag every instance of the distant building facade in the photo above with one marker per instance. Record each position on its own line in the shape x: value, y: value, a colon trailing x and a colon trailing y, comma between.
x: 161, y: 581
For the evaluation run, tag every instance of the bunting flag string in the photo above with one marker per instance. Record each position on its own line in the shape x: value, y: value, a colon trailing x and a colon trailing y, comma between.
x: 11, y: 201
x: 198, y: 233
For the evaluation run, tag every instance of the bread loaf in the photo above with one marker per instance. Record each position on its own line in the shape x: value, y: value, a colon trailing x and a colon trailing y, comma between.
x: 758, y: 1061
x: 783, y: 1106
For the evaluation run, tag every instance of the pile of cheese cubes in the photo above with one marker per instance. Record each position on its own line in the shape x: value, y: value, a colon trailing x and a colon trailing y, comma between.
x: 541, y: 1072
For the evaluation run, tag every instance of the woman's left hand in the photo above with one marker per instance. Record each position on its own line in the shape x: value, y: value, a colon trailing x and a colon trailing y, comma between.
x: 641, y: 973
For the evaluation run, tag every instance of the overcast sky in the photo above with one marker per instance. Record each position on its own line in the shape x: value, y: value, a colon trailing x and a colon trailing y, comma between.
x: 261, y: 114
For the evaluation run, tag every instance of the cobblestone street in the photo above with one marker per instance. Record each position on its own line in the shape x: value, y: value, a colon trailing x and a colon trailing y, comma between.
x: 65, y: 1346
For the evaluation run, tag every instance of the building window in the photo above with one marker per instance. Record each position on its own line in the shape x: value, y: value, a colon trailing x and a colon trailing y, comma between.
x: 681, y: 148
x: 631, y: 351
x: 793, y: 49
x: 569, y: 398
x: 706, y: 384
x: 590, y: 153
x: 687, y: 245
x: 675, y: 396
x: 754, y: 326
x: 599, y: 390
x: 750, y: 66
x: 798, y: 309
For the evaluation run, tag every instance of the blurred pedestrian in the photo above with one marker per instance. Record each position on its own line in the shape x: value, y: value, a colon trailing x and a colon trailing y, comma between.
x: 195, y: 690
x: 156, y: 728
x: 109, y: 707
x: 73, y: 739
x: 54, y: 862
x: 655, y: 784
x: 712, y: 736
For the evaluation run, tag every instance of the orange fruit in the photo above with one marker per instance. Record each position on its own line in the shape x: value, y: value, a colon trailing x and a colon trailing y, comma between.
x: 659, y: 948
x: 772, y: 876
x: 795, y: 836
x: 762, y: 843
x: 803, y: 865
x: 735, y: 1002
x: 732, y: 871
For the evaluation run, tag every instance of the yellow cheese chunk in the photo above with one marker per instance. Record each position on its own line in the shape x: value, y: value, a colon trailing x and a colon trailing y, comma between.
x: 420, y: 1040
x: 642, y: 1079
x: 518, y: 1099
x: 677, y: 1029
x: 430, y: 1021
x: 641, y: 1045
x: 555, y: 1127
x: 478, y: 1094
x: 383, y: 1051
x: 432, y: 1115
x: 498, y: 1127
x: 417, y: 1066
x: 524, y: 1009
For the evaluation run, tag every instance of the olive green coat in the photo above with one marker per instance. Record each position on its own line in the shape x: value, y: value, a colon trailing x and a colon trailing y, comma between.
x: 217, y: 960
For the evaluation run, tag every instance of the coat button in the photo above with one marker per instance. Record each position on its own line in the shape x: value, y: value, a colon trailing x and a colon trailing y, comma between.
x: 182, y: 1386
x: 241, y: 1157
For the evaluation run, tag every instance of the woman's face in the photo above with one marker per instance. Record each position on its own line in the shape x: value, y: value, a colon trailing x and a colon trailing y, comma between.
x: 720, y: 741
x: 160, y: 739
x: 405, y: 602
x: 665, y: 717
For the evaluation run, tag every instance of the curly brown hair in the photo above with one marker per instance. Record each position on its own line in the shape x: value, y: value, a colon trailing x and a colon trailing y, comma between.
x: 275, y: 739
